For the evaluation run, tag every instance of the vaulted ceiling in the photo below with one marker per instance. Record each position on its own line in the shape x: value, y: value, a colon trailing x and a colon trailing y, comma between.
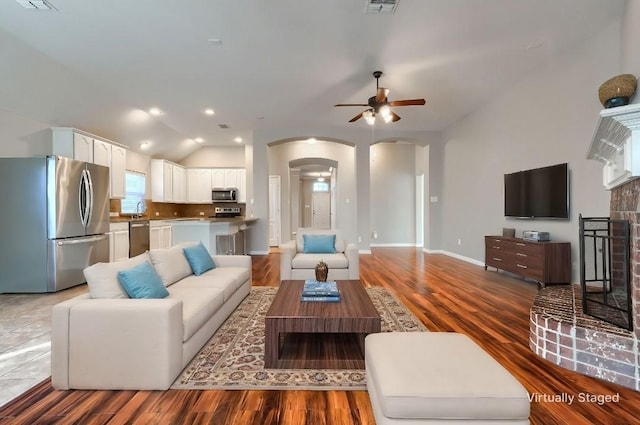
x: 101, y: 65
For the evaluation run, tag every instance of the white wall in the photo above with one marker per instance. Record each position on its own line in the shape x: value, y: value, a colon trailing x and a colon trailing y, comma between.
x: 281, y: 154
x: 630, y: 42
x: 393, y: 200
x: 548, y: 118
x: 216, y: 157
x: 22, y: 136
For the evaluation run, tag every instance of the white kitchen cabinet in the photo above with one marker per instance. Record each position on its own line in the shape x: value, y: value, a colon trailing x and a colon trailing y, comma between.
x: 231, y: 177
x: 161, y: 181
x: 101, y: 153
x: 118, y: 241
x: 73, y: 143
x: 218, y: 178
x: 179, y: 184
x: 118, y: 171
x: 199, y: 185
x: 159, y: 234
x: 82, y: 147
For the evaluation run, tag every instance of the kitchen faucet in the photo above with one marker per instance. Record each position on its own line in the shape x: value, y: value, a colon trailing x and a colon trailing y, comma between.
x: 138, y: 209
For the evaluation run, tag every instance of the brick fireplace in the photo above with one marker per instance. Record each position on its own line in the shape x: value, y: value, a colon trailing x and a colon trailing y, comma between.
x: 561, y: 333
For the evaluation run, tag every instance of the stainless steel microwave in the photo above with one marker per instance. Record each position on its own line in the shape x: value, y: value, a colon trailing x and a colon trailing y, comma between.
x: 229, y: 194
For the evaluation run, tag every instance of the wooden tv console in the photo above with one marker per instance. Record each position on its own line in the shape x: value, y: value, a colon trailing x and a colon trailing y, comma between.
x: 548, y: 263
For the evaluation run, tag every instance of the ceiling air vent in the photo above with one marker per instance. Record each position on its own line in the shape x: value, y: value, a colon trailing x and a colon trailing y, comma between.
x: 380, y: 6
x: 223, y: 125
x: 36, y: 4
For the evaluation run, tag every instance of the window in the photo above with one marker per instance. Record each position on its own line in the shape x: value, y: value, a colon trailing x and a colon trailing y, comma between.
x: 320, y: 186
x: 135, y: 188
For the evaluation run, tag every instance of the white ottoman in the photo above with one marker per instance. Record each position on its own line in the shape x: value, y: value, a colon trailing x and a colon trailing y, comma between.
x: 439, y: 378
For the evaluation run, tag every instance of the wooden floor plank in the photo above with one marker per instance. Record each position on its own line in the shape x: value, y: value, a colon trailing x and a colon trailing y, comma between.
x: 446, y: 294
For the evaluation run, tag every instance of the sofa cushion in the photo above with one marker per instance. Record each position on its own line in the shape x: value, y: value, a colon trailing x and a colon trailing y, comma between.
x: 102, y: 278
x: 170, y: 264
x: 198, y: 305
x: 142, y: 281
x: 319, y: 244
x: 199, y: 259
x: 226, y: 284
x: 309, y: 261
x: 238, y: 274
x: 340, y: 247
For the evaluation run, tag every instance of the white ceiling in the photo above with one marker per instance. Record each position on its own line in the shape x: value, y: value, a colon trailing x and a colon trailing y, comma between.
x: 97, y: 65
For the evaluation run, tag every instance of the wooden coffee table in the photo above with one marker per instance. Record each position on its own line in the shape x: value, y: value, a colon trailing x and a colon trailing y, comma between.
x: 318, y: 335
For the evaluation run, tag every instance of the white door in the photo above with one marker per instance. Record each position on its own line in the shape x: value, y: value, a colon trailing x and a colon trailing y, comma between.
x: 274, y: 210
x: 320, y: 208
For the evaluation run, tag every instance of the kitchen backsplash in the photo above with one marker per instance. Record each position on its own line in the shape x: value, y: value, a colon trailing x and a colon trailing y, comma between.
x: 167, y: 210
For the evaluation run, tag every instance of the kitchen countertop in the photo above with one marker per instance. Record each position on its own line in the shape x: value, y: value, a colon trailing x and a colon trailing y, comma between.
x: 238, y: 220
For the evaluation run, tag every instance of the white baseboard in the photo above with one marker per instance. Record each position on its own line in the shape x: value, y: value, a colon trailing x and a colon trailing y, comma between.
x: 454, y: 255
x: 392, y: 245
x: 258, y: 252
x: 364, y: 251
x: 463, y: 258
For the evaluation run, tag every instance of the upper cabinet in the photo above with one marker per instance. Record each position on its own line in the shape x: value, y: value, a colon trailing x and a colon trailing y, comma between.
x: 76, y: 144
x: 118, y: 171
x: 82, y: 147
x: 200, y: 181
x: 168, y: 181
x: 199, y: 184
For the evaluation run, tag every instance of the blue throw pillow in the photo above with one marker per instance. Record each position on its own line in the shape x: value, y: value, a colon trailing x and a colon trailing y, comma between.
x: 142, y: 282
x: 319, y: 244
x: 199, y: 259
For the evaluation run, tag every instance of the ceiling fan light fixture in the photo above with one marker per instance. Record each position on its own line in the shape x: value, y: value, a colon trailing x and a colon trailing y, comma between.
x: 385, y: 111
x: 369, y: 117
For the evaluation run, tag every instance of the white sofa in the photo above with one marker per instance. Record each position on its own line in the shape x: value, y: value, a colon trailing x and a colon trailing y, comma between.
x: 295, y: 264
x: 105, y: 340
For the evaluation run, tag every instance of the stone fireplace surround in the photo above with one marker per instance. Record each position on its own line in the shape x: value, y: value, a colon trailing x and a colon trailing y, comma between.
x: 562, y: 334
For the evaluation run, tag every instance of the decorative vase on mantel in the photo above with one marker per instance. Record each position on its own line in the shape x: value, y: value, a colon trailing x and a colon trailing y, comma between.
x: 322, y: 270
x: 617, y: 90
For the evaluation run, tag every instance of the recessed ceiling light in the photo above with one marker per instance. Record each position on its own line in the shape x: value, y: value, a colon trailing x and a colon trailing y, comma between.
x: 215, y: 41
x: 145, y: 144
x: 199, y: 140
x: 238, y: 140
x: 155, y: 111
x: 209, y: 111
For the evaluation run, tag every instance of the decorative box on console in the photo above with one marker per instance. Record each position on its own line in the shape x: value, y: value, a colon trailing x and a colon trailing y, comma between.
x: 616, y: 143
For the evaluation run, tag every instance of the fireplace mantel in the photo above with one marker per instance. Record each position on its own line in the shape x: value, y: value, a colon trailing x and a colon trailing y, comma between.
x: 616, y: 143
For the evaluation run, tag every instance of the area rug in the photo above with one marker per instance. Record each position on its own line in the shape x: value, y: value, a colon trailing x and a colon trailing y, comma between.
x: 234, y: 357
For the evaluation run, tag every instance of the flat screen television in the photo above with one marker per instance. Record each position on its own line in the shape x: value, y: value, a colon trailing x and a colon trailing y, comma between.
x: 537, y: 193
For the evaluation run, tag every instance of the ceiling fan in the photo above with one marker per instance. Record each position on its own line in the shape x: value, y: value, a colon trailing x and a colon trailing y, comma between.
x: 380, y: 105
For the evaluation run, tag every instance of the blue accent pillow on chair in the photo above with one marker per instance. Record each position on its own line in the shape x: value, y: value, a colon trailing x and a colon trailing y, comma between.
x: 199, y: 259
x: 142, y: 282
x: 319, y: 244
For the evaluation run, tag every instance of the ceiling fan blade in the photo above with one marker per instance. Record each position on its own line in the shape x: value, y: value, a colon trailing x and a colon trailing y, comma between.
x: 351, y: 104
x: 357, y: 117
x: 407, y: 102
x: 381, y: 94
x: 394, y: 117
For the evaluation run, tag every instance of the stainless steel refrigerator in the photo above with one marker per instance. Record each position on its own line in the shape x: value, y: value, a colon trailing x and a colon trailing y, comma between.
x: 53, y: 219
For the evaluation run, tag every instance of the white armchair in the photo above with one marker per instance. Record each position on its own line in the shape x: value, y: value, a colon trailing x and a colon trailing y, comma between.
x: 295, y: 263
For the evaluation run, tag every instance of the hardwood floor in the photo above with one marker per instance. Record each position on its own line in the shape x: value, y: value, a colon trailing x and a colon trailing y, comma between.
x: 444, y: 293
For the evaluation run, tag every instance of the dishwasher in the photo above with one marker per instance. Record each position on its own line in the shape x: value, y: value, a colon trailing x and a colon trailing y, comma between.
x: 138, y: 237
